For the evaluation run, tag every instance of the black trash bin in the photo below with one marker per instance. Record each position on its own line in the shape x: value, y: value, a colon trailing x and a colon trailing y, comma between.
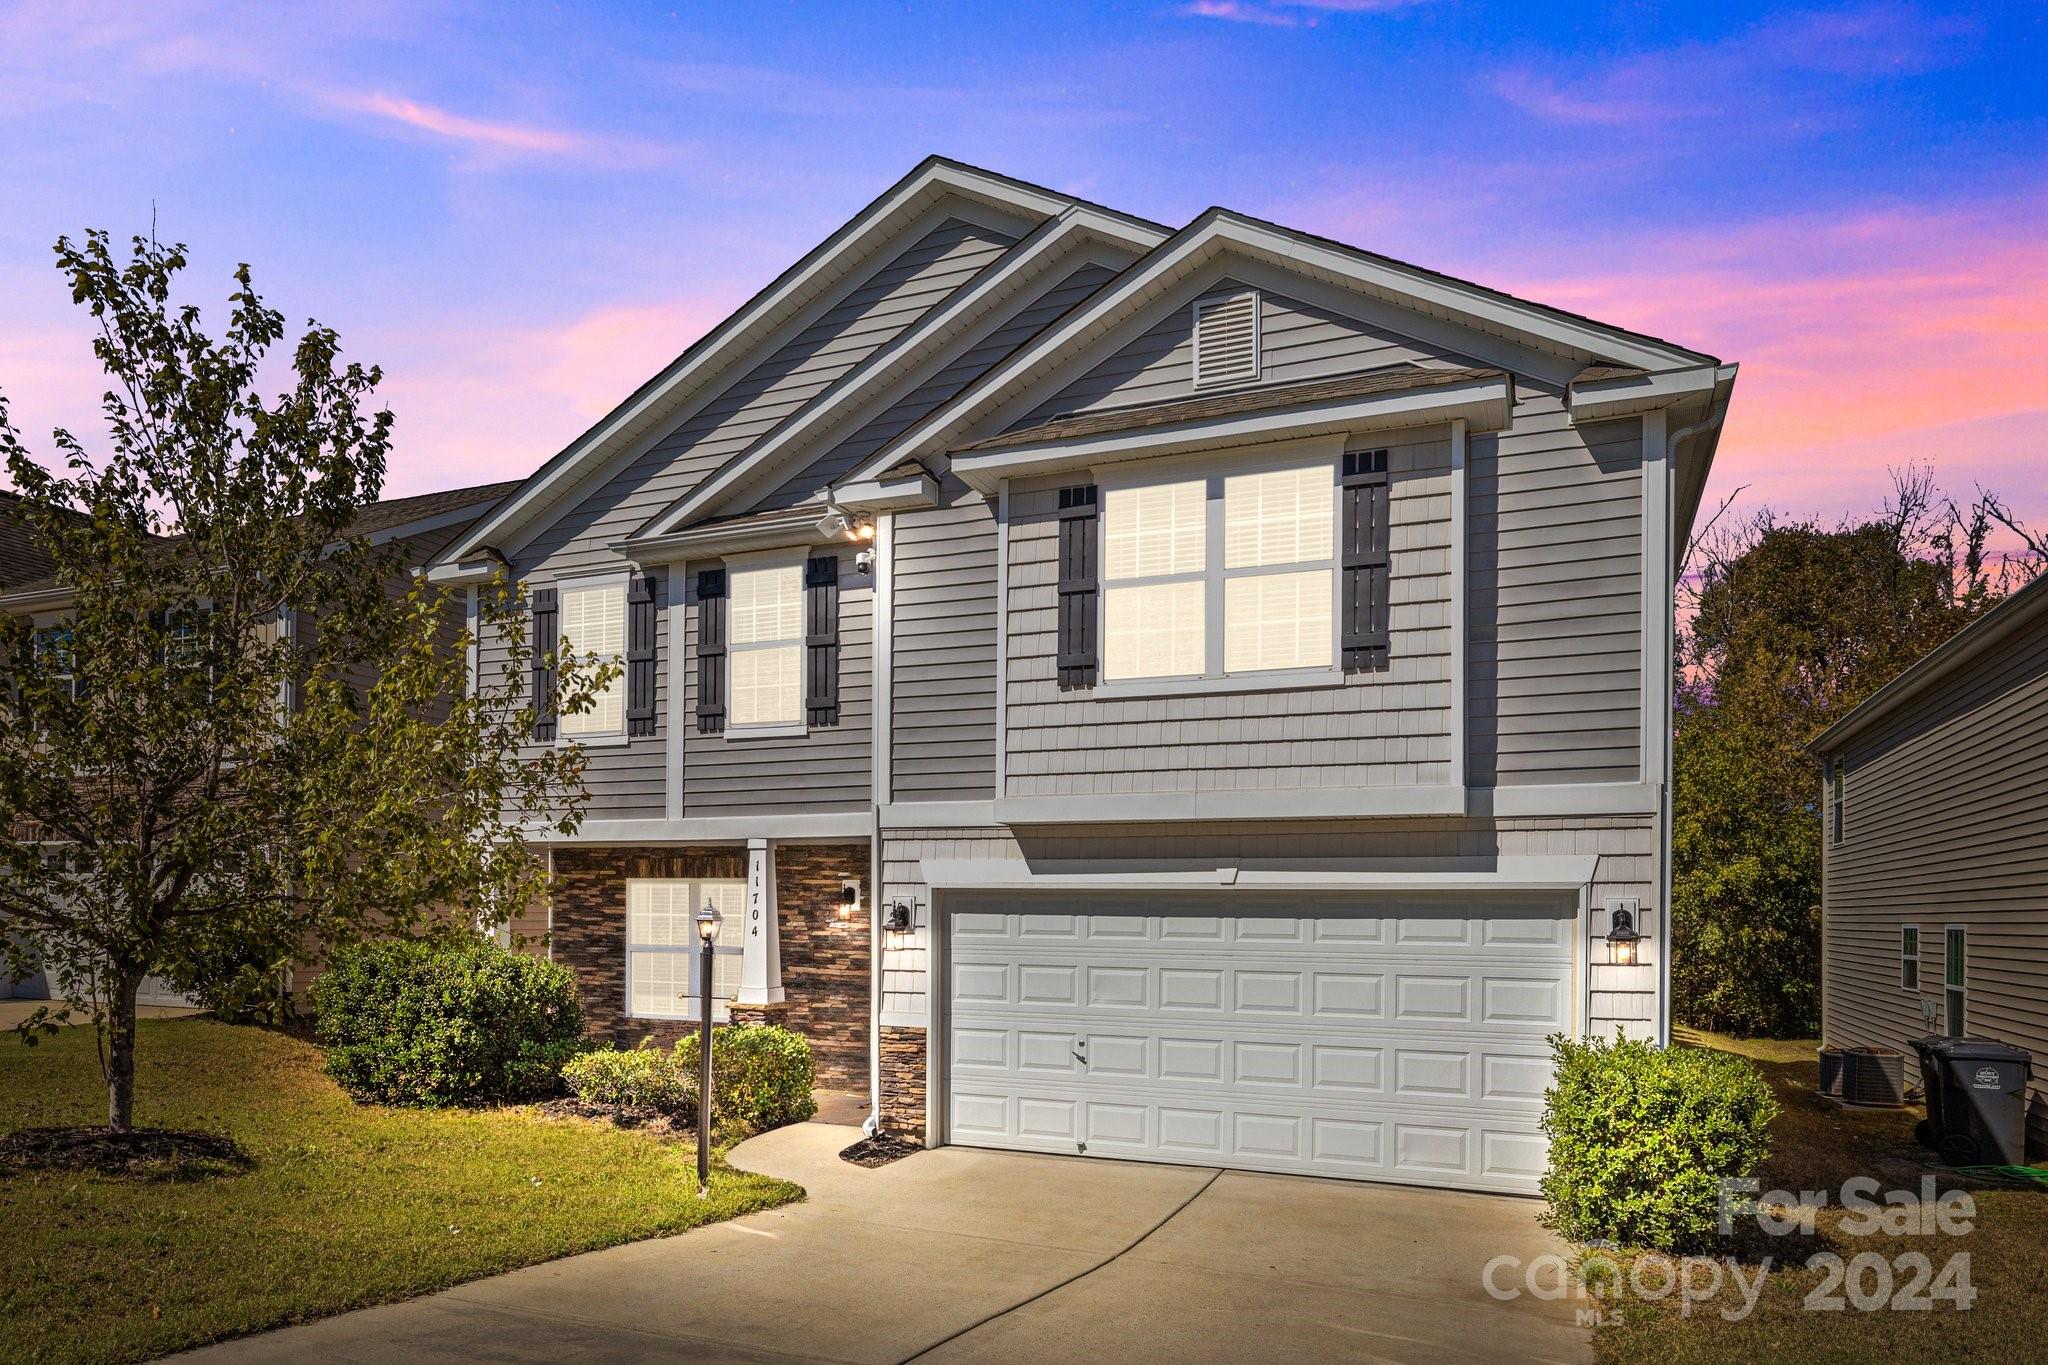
x: 1976, y: 1100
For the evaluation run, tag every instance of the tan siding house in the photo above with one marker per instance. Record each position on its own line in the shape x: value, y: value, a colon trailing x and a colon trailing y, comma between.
x: 1935, y: 871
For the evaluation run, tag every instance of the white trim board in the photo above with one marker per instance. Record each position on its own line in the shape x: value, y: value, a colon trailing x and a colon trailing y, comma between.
x: 830, y: 270
x: 1538, y: 874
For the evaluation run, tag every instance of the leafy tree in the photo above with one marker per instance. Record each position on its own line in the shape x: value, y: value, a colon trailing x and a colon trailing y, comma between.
x: 1792, y: 624
x: 200, y: 767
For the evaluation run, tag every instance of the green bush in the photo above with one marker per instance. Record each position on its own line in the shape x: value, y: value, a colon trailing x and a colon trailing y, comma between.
x: 1641, y: 1138
x: 647, y: 1077
x: 446, y: 1020
x: 761, y: 1077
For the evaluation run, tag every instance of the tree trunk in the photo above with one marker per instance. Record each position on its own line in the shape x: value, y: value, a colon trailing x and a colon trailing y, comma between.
x: 121, y: 1057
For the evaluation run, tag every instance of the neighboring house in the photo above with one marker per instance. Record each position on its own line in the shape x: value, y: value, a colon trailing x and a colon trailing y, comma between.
x: 1187, y: 695
x: 423, y: 524
x: 1934, y: 884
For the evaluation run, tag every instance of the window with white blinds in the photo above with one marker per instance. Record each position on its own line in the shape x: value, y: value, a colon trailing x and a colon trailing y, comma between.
x: 765, y: 644
x: 663, y: 959
x: 594, y: 624
x: 1155, y: 552
x: 1227, y: 574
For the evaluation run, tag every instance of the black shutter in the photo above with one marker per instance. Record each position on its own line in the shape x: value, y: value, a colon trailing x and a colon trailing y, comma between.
x: 547, y: 637
x: 1079, y: 587
x: 640, y: 636
x: 711, y: 651
x: 1366, y: 562
x: 821, y: 640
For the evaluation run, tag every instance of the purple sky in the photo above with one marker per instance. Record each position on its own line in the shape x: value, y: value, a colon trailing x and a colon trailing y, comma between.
x: 521, y: 212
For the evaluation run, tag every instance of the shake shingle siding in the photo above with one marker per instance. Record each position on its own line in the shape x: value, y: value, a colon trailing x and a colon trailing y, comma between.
x: 1946, y: 822
x: 1555, y: 599
x: 1298, y: 342
x: 868, y: 318
x: 943, y: 678
x: 899, y: 416
x: 1375, y: 729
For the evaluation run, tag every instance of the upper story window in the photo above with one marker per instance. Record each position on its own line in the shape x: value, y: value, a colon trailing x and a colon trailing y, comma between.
x: 1835, y: 786
x: 766, y: 643
x: 1223, y: 574
x: 1909, y: 957
x: 55, y: 659
x: 594, y: 624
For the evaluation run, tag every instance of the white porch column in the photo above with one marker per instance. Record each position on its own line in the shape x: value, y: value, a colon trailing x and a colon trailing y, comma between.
x: 761, y: 949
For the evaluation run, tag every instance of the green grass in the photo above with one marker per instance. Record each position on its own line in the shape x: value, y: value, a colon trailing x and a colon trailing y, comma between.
x: 1817, y: 1146
x: 346, y: 1205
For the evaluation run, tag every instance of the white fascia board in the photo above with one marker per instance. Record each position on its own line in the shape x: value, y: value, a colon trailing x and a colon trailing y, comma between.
x: 873, y: 383
x: 831, y: 262
x: 1638, y: 394
x: 1563, y: 873
x: 904, y: 493
x: 42, y: 599
x: 799, y: 527
x: 1217, y: 232
x: 1484, y: 404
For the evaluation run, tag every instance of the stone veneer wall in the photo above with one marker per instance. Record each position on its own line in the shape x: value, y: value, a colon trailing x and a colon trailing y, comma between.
x: 903, y: 1081
x: 824, y: 962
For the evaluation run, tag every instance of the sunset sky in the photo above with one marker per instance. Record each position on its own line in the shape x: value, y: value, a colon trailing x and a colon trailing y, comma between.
x: 523, y: 211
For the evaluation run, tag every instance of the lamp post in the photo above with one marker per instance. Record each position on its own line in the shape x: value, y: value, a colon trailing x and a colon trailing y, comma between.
x: 707, y: 936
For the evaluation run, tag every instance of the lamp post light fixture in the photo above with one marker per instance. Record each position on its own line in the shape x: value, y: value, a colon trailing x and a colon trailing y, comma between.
x: 1622, y: 937
x: 708, y: 920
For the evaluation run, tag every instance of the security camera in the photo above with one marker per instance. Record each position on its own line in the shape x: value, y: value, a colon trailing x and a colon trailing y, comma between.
x: 864, y: 562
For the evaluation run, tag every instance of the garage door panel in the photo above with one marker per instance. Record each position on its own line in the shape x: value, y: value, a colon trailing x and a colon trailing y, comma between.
x: 1404, y: 1041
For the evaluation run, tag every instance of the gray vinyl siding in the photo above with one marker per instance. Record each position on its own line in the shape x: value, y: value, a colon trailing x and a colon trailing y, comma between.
x: 626, y: 781
x: 1555, y: 598
x: 1613, y: 998
x: 1945, y: 821
x: 943, y: 671
x: 1297, y: 342
x: 1379, y: 729
x: 869, y: 317
x: 823, y: 771
x: 899, y: 416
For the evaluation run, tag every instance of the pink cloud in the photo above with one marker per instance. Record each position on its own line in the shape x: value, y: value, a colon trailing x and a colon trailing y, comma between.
x: 1287, y: 13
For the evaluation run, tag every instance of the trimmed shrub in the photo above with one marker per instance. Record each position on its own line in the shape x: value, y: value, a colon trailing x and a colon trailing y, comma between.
x: 1641, y: 1138
x: 446, y: 1020
x: 761, y: 1078
x: 645, y: 1078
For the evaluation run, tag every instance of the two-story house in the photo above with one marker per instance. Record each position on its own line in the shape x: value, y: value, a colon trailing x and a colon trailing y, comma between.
x: 1195, y: 695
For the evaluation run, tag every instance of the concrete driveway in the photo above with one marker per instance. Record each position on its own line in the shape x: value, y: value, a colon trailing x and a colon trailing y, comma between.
x: 962, y: 1255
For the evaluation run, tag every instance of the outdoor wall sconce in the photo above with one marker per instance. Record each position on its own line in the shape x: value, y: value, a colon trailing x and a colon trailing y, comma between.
x: 849, y: 900
x: 1622, y: 936
x: 898, y: 921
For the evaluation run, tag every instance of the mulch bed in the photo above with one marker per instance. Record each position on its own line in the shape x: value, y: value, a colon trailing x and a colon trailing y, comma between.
x: 879, y: 1150
x: 644, y: 1118
x: 159, y: 1153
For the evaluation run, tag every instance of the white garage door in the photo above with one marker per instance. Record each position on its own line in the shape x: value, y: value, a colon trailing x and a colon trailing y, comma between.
x: 1378, y: 1040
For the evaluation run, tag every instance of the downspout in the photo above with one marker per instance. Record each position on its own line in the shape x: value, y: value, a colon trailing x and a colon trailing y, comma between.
x: 1713, y: 419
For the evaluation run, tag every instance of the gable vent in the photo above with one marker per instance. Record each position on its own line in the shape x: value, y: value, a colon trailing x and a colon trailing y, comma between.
x: 1227, y: 339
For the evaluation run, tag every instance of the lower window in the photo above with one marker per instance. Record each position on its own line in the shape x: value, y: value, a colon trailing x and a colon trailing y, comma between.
x: 1909, y: 957
x: 664, y: 964
x: 1955, y: 978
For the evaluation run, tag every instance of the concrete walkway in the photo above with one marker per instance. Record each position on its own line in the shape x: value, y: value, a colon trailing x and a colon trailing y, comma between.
x: 13, y: 1012
x: 962, y: 1255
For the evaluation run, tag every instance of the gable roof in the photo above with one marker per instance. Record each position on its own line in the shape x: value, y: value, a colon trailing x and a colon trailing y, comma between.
x: 714, y: 359
x: 909, y: 355
x: 1138, y: 416
x: 385, y: 520
x: 1217, y: 232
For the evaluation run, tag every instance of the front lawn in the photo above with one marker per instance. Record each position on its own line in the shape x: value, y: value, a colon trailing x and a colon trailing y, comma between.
x: 1816, y: 1147
x: 346, y: 1205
